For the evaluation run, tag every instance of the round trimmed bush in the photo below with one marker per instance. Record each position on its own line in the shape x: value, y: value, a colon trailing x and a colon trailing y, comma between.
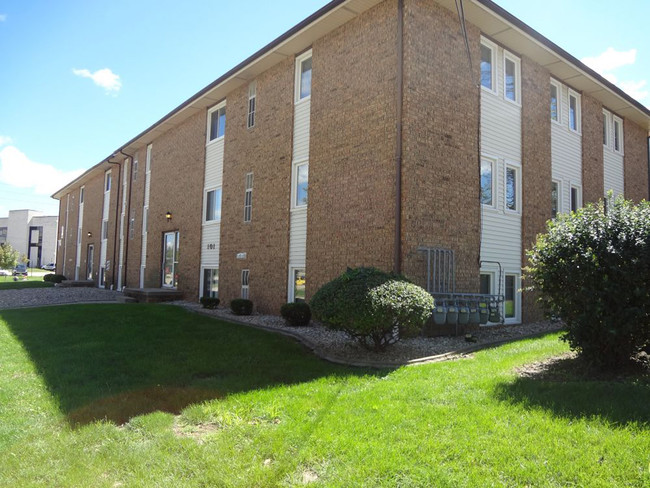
x: 209, y: 302
x: 54, y: 278
x: 373, y: 307
x: 592, y: 270
x: 241, y: 306
x: 296, y: 314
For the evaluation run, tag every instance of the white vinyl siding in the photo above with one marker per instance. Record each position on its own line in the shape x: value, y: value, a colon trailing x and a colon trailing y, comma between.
x: 566, y: 153
x: 103, y: 264
x: 300, y: 159
x: 211, y: 231
x: 145, y: 214
x: 501, y: 145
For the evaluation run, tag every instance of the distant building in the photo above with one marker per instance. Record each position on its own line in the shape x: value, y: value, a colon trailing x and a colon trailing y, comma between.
x: 32, y: 234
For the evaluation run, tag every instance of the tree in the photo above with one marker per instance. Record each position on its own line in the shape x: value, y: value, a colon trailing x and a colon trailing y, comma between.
x: 8, y: 256
x: 592, y: 269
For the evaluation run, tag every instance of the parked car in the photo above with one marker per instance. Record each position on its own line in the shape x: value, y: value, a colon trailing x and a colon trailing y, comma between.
x: 20, y: 270
x: 49, y: 267
x: 5, y: 272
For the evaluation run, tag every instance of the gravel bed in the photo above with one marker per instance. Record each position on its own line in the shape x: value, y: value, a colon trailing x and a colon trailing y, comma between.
x: 337, y: 346
x: 38, y: 297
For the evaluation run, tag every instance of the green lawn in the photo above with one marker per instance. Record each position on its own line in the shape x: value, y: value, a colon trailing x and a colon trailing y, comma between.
x: 234, y: 406
x: 8, y: 283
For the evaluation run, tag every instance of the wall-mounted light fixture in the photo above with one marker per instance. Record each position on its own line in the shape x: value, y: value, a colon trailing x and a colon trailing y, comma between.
x: 89, y: 234
x: 168, y: 216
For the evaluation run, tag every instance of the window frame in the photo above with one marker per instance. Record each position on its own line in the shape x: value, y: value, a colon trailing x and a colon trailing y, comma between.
x: 216, y: 108
x: 493, y: 63
x: 107, y: 181
x: 205, y: 204
x: 292, y: 281
x: 578, y: 189
x: 558, y: 88
x: 508, y: 56
x: 491, y: 277
x: 493, y: 164
x: 517, y: 298
x: 517, y: 168
x: 559, y: 197
x: 617, y: 120
x: 578, y: 115
x: 248, y: 197
x: 294, y: 189
x: 298, y: 77
x: 203, y: 280
x: 245, y: 283
x: 607, y: 128
x: 252, y: 104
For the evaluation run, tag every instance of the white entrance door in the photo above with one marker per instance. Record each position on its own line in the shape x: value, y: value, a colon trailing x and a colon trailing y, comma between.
x: 170, y: 260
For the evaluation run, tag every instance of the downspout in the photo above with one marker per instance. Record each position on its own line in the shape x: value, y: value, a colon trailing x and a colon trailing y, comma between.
x: 117, y: 208
x: 397, y: 258
x: 128, y: 219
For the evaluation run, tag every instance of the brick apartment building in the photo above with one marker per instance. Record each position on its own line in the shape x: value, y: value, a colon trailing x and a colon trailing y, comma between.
x: 373, y: 109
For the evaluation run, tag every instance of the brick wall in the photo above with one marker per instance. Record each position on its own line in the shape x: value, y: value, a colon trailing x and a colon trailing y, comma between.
x: 352, y: 154
x: 265, y: 150
x: 536, y: 165
x: 92, y: 222
x: 177, y: 173
x: 593, y: 170
x: 635, y: 141
x: 440, y: 143
x: 132, y: 247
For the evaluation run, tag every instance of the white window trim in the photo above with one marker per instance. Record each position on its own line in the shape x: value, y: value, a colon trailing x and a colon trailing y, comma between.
x: 299, y: 60
x: 576, y: 95
x: 246, y: 192
x: 252, y: 95
x: 558, y: 87
x: 491, y: 274
x: 494, y: 49
x: 294, y: 185
x: 205, y: 205
x: 108, y: 182
x: 559, y: 195
x: 517, y: 167
x: 246, y: 286
x: 608, y: 129
x: 620, y: 138
x: 290, y: 292
x: 204, y: 268
x: 579, y: 202
x: 493, y: 162
x: 517, y: 318
x: 209, y: 124
x: 511, y: 57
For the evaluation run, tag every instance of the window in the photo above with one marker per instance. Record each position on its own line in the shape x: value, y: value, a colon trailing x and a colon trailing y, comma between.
x: 248, y: 198
x: 574, y: 111
x: 512, y: 188
x: 511, y: 297
x: 618, y: 134
x: 487, y: 63
x: 245, y: 276
x: 217, y: 122
x: 107, y: 181
x: 486, y: 284
x: 299, y: 278
x: 555, y: 198
x: 104, y: 229
x: 213, y: 205
x: 487, y: 182
x: 81, y: 195
x: 3, y: 235
x: 135, y: 170
x: 132, y: 224
x: 303, y: 76
x: 211, y: 282
x: 252, y: 95
x: 575, y: 198
x: 511, y: 82
x: 555, y: 102
x: 302, y: 184
x: 606, y: 122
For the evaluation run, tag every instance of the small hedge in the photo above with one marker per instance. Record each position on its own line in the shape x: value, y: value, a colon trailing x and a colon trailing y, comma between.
x: 209, y: 302
x: 296, y: 314
x: 241, y: 306
x: 54, y: 278
x: 373, y: 307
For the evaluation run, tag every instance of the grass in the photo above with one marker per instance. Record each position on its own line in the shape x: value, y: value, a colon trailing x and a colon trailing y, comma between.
x: 146, y: 395
x: 8, y: 283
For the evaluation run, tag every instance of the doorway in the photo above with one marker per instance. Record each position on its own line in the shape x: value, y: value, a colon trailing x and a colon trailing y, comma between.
x: 170, y: 260
x: 89, y: 262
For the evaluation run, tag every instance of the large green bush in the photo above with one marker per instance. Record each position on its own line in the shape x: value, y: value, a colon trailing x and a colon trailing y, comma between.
x: 372, y: 306
x: 592, y: 269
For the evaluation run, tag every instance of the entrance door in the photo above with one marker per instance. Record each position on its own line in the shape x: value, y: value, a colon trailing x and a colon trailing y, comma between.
x: 170, y: 260
x: 90, y: 261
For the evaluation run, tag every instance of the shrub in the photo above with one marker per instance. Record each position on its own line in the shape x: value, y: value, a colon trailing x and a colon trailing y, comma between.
x: 592, y: 270
x: 241, y: 306
x: 373, y: 307
x: 209, y: 302
x: 296, y: 314
x: 54, y: 278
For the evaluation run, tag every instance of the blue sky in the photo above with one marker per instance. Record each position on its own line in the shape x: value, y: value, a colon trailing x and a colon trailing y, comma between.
x: 80, y: 78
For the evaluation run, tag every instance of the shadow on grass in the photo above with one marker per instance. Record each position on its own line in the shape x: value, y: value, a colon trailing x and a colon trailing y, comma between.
x: 566, y: 387
x: 115, y: 362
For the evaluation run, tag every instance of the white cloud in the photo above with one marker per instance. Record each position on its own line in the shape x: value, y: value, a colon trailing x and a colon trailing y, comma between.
x: 17, y: 170
x: 609, y: 61
x: 105, y: 78
x: 4, y: 140
x: 3, y: 17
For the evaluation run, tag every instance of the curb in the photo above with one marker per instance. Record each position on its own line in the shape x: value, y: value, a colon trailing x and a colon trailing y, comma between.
x: 447, y: 356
